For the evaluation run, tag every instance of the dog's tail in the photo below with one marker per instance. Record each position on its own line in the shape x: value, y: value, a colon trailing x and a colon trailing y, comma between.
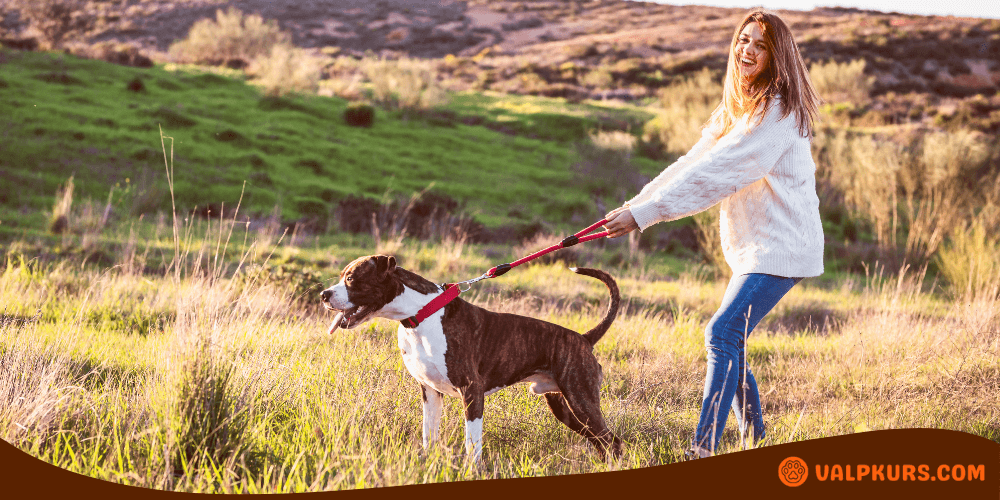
x: 598, y: 331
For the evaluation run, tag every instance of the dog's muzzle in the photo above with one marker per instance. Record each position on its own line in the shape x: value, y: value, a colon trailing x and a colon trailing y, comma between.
x: 344, y: 318
x: 339, y: 318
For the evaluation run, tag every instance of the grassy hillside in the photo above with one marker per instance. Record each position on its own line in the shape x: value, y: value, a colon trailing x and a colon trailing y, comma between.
x: 191, y: 354
x: 63, y: 116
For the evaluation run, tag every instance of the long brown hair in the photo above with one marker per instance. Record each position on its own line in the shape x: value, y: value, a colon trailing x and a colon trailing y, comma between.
x: 785, y: 74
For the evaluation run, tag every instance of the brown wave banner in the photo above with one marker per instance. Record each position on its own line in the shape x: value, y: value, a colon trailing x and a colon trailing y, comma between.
x: 917, y: 463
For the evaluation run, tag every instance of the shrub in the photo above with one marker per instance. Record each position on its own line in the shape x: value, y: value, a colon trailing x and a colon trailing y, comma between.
x: 355, y: 213
x: 59, y: 222
x: 344, y: 78
x: 599, y: 78
x: 912, y: 194
x: 359, y: 115
x: 136, y: 85
x: 971, y: 260
x: 57, y: 21
x: 231, y: 36
x: 687, y: 106
x: 407, y: 84
x: 841, y: 82
x: 947, y: 157
x: 286, y: 69
x: 123, y: 54
x: 864, y: 171
x: 207, y: 417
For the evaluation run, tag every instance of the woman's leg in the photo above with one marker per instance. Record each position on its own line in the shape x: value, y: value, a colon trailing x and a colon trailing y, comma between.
x: 746, y: 404
x: 748, y: 298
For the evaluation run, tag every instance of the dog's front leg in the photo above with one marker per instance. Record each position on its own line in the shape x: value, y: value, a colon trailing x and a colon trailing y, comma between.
x: 473, y: 398
x: 432, y: 414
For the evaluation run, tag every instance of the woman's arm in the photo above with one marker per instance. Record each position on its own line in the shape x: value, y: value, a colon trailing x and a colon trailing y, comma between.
x: 740, y: 158
x: 707, y: 140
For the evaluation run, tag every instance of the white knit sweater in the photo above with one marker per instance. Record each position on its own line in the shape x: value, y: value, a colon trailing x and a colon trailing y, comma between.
x: 765, y: 177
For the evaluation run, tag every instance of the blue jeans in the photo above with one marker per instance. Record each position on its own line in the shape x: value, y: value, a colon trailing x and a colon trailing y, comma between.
x: 729, y: 381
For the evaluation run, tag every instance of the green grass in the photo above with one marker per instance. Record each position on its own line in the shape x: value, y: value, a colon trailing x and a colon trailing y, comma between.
x: 201, y: 364
x: 546, y: 118
x: 66, y: 116
x: 227, y: 382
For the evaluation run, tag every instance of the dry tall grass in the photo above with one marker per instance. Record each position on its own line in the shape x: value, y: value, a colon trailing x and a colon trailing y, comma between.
x: 59, y: 219
x: 686, y: 107
x: 238, y: 389
x: 913, y: 192
x: 970, y: 261
x: 841, y: 82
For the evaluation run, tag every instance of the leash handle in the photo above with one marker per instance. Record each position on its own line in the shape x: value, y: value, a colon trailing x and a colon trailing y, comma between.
x: 565, y: 243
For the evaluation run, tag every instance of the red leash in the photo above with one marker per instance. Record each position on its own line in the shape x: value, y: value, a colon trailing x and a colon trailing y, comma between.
x: 568, y: 242
x: 451, y: 290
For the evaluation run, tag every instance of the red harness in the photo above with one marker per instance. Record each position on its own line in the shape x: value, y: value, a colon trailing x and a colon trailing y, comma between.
x: 451, y: 290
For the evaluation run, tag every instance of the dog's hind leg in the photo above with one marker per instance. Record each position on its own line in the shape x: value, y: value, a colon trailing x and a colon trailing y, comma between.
x: 433, y: 401
x: 473, y: 397
x: 562, y: 412
x: 584, y: 418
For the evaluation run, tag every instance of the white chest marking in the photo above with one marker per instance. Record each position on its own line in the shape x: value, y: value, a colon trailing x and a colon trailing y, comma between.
x: 423, y: 347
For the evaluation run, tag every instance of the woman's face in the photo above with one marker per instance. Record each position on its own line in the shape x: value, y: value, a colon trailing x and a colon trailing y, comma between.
x: 751, y: 51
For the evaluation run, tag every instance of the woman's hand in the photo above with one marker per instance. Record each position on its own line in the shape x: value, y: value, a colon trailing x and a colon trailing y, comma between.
x: 620, y: 222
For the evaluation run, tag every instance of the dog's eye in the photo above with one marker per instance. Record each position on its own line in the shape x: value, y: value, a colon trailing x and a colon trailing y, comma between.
x: 348, y: 279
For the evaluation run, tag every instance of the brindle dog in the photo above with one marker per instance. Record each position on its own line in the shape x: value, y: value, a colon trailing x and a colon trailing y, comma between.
x: 466, y: 351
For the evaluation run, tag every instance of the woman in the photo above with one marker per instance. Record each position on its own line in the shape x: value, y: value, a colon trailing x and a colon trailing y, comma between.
x: 754, y: 157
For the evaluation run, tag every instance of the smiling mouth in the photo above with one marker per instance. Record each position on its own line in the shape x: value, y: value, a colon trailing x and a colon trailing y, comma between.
x: 344, y: 319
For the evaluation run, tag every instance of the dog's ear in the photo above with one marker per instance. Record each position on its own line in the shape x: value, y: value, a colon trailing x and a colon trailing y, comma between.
x: 384, y: 264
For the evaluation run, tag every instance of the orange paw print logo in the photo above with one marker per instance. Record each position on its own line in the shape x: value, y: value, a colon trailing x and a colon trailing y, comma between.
x: 793, y: 471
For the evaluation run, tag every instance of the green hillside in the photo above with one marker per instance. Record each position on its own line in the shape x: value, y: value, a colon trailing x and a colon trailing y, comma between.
x: 506, y: 160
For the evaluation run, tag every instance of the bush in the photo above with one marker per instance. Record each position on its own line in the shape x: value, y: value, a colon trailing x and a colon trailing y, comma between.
x: 57, y: 21
x: 359, y: 115
x: 232, y: 36
x: 912, y: 193
x: 687, y: 106
x: 343, y: 79
x: 136, y: 85
x: 948, y: 157
x: 59, y: 222
x: 407, y: 84
x: 123, y: 54
x: 841, y: 82
x: 599, y: 78
x: 286, y: 69
x: 208, y: 419
x: 971, y: 261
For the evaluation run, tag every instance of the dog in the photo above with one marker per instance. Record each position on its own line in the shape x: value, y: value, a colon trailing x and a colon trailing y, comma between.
x: 468, y: 352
